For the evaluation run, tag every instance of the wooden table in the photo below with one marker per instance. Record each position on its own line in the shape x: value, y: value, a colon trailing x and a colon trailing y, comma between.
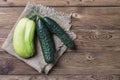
x: 97, y: 25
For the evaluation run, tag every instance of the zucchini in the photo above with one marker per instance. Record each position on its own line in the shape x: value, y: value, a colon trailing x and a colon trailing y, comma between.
x: 23, y: 38
x: 57, y: 30
x: 46, y: 41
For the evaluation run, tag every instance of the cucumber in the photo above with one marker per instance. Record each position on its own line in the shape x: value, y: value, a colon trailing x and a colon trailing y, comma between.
x: 23, y: 38
x: 46, y: 41
x: 58, y: 31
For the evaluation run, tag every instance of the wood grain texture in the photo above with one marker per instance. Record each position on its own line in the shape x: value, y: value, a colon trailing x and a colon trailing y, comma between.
x: 98, y: 44
x: 85, y: 62
x: 60, y: 77
x: 84, y: 17
x: 97, y: 40
x: 11, y: 65
x: 62, y: 2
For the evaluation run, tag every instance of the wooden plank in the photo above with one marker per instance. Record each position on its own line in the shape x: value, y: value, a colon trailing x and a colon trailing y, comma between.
x: 84, y: 63
x: 84, y: 18
x: 62, y: 2
x: 88, y: 40
x: 60, y: 77
x: 88, y: 62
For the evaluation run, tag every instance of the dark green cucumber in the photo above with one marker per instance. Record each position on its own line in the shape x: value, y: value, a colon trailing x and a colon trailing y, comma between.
x: 46, y: 41
x: 56, y: 29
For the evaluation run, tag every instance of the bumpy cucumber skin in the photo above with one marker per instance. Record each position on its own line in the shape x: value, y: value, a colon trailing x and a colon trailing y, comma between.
x: 46, y: 41
x: 57, y: 30
x: 23, y: 36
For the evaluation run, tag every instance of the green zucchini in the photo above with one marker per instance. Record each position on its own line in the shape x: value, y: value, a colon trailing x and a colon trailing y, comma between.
x: 57, y: 30
x: 46, y: 41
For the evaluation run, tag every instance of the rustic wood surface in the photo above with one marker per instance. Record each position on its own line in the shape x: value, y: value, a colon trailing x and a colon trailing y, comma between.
x: 62, y: 2
x: 97, y: 25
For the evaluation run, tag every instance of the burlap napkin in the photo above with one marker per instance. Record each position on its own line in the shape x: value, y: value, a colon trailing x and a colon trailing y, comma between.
x: 37, y: 62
